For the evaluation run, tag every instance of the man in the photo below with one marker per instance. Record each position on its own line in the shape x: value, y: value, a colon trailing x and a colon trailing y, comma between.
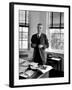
x: 39, y: 42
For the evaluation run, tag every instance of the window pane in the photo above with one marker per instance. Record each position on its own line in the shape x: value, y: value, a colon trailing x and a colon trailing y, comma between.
x: 57, y: 39
x: 56, y: 19
x: 50, y: 19
x: 21, y: 16
x: 25, y: 36
x: 24, y: 44
x: 55, y: 31
x: 20, y: 36
x: 25, y: 29
x: 62, y: 37
x: 20, y: 29
x: 20, y: 44
x: 27, y: 17
x: 23, y: 33
x: 62, y: 19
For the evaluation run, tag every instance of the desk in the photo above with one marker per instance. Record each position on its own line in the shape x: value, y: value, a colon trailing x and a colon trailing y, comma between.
x: 34, y: 72
x: 55, y: 62
x: 45, y: 73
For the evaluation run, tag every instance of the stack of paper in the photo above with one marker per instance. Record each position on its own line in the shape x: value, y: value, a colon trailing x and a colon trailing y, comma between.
x: 27, y: 74
x: 24, y: 75
x: 46, y: 69
x: 57, y: 59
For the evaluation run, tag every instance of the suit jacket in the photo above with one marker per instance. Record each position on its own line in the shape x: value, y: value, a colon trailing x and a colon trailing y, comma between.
x: 39, y: 54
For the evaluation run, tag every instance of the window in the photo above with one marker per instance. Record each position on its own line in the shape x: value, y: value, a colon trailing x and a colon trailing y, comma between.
x: 57, y: 39
x: 57, y: 20
x: 56, y: 29
x: 23, y: 29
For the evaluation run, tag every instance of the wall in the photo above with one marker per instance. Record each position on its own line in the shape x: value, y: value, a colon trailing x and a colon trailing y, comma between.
x: 35, y: 17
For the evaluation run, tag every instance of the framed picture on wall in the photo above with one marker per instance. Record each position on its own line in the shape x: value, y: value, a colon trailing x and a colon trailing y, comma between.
x: 39, y: 44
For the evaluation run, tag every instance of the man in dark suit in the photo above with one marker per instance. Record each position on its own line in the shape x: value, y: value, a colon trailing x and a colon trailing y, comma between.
x: 39, y: 42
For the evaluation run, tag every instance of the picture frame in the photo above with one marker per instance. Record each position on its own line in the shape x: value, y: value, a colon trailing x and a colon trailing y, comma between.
x: 17, y: 53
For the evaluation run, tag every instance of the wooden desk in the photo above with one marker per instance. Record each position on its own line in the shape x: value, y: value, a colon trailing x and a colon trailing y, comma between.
x: 55, y: 63
x: 45, y: 73
x: 37, y: 73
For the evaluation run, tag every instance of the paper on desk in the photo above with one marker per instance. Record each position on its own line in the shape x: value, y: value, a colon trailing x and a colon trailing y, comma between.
x: 24, y: 75
x: 29, y: 72
x: 26, y: 63
x: 21, y: 60
x: 22, y: 69
x: 48, y: 68
x: 57, y: 59
x: 34, y: 64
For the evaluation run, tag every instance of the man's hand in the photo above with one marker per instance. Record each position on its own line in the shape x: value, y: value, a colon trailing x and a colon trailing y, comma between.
x: 40, y: 46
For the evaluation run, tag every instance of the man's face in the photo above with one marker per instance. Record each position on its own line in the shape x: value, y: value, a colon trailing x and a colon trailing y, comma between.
x: 40, y: 28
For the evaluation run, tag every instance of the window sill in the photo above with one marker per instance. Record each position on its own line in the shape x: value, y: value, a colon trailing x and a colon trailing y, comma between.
x: 54, y: 51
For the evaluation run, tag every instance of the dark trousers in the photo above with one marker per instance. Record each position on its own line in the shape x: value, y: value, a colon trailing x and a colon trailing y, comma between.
x: 37, y: 58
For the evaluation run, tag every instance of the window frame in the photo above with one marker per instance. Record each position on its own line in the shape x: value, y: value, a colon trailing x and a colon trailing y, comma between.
x: 51, y: 26
x: 48, y: 28
x: 24, y: 25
